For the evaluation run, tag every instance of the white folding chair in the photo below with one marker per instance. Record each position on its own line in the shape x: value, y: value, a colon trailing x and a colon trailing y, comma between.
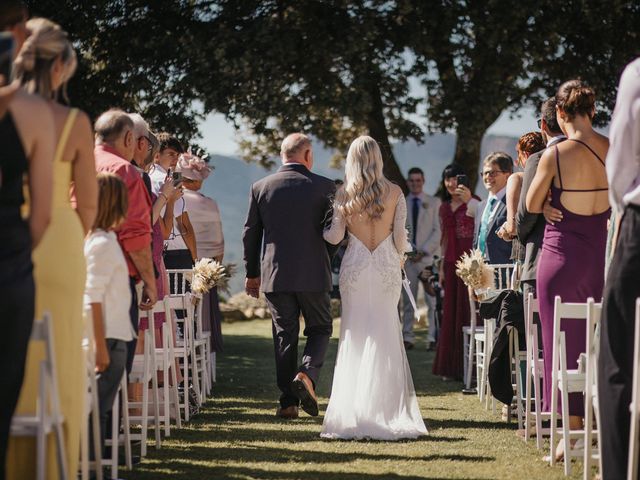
x: 565, y: 381
x: 484, y: 346
x: 144, y: 371
x: 591, y: 405
x: 534, y: 376
x: 634, y: 407
x: 516, y: 356
x: 201, y: 343
x: 116, y: 440
x: 47, y: 417
x: 91, y: 405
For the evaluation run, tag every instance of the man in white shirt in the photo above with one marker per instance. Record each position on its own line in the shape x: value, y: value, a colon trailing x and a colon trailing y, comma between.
x: 615, y: 364
x: 491, y: 213
x: 424, y: 232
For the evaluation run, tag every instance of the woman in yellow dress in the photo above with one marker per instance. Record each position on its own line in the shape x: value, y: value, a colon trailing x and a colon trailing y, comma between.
x: 44, y: 65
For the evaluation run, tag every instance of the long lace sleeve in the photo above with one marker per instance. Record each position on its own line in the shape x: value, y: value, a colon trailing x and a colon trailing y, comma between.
x: 400, y: 234
x: 335, y: 233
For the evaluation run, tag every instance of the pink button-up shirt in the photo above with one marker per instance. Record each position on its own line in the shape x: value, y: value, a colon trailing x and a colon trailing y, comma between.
x: 135, y: 233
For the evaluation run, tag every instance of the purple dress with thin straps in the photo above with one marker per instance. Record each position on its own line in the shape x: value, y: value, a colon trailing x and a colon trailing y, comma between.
x: 571, y: 265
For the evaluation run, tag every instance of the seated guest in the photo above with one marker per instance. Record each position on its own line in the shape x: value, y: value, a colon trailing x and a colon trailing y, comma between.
x: 107, y: 293
x: 207, y: 225
x: 490, y: 214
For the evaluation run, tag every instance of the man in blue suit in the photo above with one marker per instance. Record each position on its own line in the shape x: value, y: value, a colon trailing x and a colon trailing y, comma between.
x: 491, y: 213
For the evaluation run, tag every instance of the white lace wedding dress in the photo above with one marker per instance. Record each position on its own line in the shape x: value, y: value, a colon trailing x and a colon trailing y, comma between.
x: 372, y: 395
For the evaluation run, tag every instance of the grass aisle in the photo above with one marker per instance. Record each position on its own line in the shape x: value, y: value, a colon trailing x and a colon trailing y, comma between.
x: 237, y: 436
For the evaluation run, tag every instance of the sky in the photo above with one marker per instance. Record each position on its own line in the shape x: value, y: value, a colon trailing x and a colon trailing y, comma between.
x: 219, y: 135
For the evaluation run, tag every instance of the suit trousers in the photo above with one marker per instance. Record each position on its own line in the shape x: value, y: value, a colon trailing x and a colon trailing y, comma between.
x: 615, y: 364
x: 285, y: 310
x: 413, y: 270
x: 133, y: 317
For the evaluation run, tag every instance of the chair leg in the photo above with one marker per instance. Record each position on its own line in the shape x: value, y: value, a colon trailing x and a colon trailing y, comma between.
x: 145, y: 399
x: 554, y: 410
x: 165, y: 394
x: 115, y: 434
x: 126, y: 425
x: 566, y: 431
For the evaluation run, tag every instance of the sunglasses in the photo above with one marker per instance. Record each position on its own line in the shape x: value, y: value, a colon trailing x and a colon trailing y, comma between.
x: 492, y: 173
x: 539, y: 122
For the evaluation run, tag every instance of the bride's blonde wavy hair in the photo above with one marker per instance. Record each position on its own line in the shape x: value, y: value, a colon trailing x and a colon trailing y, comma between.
x: 365, y: 185
x: 46, y: 43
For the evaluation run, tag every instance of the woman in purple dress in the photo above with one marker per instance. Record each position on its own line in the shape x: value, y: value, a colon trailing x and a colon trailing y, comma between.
x: 571, y: 264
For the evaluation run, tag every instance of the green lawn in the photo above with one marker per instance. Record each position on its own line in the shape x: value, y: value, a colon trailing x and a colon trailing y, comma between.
x: 237, y: 436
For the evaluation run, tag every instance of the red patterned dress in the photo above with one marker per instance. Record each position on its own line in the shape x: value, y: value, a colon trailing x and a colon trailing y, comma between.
x: 457, y: 238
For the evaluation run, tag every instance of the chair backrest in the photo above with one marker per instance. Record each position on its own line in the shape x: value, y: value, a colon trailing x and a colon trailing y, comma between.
x: 531, y: 306
x: 183, y: 303
x: 178, y: 280
x: 503, y: 273
x: 577, y: 311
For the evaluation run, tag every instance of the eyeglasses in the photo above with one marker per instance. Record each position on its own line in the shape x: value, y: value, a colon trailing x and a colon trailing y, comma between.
x: 492, y: 173
x: 539, y: 122
x: 149, y: 145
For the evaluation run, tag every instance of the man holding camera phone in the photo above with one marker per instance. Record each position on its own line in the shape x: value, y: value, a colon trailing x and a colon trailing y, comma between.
x: 424, y: 233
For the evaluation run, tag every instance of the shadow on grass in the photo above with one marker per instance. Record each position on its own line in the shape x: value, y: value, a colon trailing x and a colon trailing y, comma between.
x: 176, y: 470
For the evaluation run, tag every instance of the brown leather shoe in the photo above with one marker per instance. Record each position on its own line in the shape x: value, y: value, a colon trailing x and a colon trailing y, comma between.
x: 290, y: 413
x: 302, y: 387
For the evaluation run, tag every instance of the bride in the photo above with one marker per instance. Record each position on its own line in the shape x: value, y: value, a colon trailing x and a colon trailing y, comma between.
x: 372, y: 394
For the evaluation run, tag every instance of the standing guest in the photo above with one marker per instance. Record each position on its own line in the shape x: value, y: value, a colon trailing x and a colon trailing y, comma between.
x: 27, y: 139
x: 530, y: 226
x: 424, y: 228
x: 107, y: 293
x: 207, y: 226
x: 286, y: 214
x: 615, y: 368
x: 114, y: 149
x: 527, y: 145
x: 181, y: 251
x: 44, y: 65
x: 574, y: 170
x: 457, y: 238
x: 496, y: 169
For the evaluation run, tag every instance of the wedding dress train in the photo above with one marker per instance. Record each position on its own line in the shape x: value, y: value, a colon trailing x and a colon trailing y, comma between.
x: 372, y: 395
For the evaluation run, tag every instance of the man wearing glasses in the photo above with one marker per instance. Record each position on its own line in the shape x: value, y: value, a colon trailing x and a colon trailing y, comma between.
x: 491, y: 213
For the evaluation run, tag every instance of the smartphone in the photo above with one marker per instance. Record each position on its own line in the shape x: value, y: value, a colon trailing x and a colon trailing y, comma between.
x: 7, y: 45
x: 462, y: 179
x: 177, y: 178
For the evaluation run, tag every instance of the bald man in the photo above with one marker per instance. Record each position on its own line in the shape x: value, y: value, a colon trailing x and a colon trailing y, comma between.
x: 287, y: 258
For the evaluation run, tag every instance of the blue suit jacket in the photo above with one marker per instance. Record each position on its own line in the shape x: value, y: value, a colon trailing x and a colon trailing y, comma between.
x: 497, y: 250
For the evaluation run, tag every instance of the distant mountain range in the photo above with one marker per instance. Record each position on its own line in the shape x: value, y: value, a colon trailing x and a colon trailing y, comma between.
x: 230, y: 181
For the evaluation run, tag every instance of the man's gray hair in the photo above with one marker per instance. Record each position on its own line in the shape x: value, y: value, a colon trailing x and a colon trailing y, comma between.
x: 140, y: 126
x: 294, y: 143
x: 111, y: 125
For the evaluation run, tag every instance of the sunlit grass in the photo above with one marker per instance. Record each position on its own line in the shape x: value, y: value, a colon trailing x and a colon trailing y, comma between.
x: 237, y: 436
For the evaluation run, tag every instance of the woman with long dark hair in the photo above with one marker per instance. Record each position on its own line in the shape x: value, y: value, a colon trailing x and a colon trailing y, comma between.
x: 457, y: 238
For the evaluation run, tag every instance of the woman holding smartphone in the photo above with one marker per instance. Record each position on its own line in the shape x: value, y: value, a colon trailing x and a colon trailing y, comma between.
x: 457, y: 238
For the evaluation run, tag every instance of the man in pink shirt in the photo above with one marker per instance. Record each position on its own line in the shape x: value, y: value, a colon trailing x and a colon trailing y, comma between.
x: 114, y: 151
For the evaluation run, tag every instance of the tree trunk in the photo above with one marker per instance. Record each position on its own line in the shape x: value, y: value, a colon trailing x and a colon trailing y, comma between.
x: 378, y: 130
x: 468, y: 143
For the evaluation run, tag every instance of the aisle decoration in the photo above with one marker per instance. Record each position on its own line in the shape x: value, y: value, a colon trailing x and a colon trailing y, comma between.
x: 209, y: 273
x: 475, y: 273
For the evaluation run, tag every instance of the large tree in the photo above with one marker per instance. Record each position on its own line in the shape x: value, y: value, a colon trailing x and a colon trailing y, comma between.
x: 332, y: 69
x: 132, y: 54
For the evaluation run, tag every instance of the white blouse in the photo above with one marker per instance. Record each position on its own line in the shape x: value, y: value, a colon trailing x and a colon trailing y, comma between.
x: 108, y: 283
x: 204, y: 215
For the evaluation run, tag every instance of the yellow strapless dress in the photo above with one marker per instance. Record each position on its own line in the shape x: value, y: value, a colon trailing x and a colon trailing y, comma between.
x: 59, y: 274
